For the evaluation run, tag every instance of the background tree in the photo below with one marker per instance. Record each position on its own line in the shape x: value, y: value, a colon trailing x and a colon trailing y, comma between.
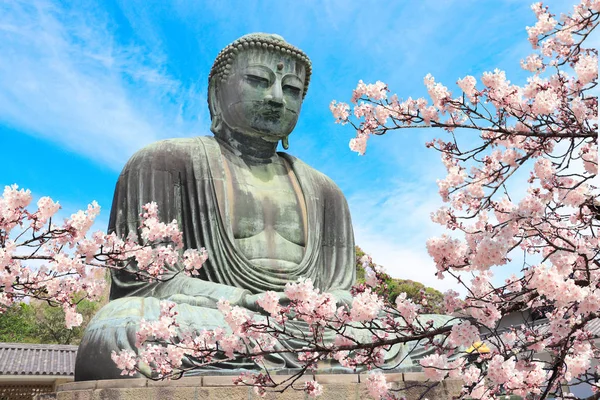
x: 430, y: 299
x: 50, y: 324
x: 42, y: 322
x: 17, y: 324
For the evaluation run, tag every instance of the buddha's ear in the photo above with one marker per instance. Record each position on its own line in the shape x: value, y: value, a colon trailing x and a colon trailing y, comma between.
x: 214, y: 108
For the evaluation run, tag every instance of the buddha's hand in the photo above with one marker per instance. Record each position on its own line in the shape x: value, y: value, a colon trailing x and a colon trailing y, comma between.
x: 343, y: 298
x: 249, y: 301
x: 196, y: 301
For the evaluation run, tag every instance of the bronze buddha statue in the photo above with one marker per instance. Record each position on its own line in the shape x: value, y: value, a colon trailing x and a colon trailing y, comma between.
x: 265, y: 217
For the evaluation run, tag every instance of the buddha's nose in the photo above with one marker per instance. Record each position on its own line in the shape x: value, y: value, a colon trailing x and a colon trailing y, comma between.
x: 275, y: 96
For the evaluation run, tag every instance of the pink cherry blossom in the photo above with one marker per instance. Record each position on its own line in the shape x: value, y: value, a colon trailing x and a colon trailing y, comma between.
x: 235, y: 316
x: 545, y: 102
x: 467, y: 85
x: 126, y: 361
x: 15, y: 198
x: 341, y: 111
x: 438, y: 92
x: 269, y: 301
x: 586, y: 68
x: 406, y: 308
x: 365, y: 306
x: 463, y: 334
x: 471, y: 375
x: 72, y: 317
x: 543, y: 169
x: 447, y: 252
x: 313, y: 388
x: 532, y: 63
x: 377, y: 386
x: 435, y: 366
x: 579, y: 361
x: 194, y: 259
x: 359, y: 144
x: 46, y: 209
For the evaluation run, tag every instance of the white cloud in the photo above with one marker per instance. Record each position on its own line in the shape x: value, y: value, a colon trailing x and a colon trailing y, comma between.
x: 393, y: 226
x: 405, y: 261
x: 64, y: 77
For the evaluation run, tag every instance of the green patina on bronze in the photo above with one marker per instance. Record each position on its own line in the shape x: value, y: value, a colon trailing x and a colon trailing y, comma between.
x: 266, y: 218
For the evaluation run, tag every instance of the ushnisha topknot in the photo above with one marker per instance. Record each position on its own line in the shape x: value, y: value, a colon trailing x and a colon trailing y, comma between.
x: 222, y: 65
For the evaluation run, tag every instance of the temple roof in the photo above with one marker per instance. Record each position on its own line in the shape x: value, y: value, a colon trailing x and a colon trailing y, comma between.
x: 37, y: 359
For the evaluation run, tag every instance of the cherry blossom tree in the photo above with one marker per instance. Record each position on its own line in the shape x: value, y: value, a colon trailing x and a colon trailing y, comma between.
x: 56, y: 263
x: 546, y: 128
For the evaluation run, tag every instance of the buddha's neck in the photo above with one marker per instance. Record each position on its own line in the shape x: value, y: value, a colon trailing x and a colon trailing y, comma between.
x: 249, y: 147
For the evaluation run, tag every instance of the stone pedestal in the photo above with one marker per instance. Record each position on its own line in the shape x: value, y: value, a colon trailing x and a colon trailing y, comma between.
x: 335, y: 387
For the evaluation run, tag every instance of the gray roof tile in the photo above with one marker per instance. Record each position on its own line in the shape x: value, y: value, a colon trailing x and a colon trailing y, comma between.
x: 37, y: 359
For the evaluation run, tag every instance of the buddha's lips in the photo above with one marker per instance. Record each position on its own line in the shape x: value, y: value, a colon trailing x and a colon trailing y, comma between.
x: 270, y: 113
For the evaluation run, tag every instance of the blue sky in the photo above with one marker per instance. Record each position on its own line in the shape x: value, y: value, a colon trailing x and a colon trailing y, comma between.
x: 83, y: 87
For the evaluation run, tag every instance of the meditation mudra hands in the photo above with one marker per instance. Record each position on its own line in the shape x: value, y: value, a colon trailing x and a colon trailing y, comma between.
x: 196, y: 301
x: 342, y: 298
x: 250, y: 301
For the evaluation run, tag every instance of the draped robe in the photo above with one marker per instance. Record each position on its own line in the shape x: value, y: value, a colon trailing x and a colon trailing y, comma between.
x: 186, y: 178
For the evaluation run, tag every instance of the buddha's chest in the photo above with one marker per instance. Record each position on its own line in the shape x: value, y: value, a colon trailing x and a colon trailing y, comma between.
x: 265, y: 201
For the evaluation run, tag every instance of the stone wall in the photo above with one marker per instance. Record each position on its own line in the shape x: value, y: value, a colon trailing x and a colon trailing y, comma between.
x: 335, y: 387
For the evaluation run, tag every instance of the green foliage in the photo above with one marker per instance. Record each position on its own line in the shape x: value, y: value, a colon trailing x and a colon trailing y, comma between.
x: 415, y: 291
x: 360, y: 272
x: 17, y: 324
x: 50, y: 322
x: 40, y: 322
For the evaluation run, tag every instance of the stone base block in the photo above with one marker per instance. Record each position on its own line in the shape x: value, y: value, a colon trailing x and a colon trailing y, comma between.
x: 335, y: 387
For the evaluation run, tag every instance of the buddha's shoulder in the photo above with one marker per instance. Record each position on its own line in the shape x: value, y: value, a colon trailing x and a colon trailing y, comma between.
x: 169, y: 152
x: 176, y: 145
x: 322, y: 181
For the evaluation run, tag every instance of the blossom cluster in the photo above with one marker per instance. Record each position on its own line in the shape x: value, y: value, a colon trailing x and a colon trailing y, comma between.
x: 69, y: 260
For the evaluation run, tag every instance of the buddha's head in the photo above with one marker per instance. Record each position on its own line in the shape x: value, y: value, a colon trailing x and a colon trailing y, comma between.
x: 256, y: 87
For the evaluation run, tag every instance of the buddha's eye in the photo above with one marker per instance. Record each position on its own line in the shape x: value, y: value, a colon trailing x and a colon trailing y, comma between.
x: 257, y: 81
x: 291, y: 90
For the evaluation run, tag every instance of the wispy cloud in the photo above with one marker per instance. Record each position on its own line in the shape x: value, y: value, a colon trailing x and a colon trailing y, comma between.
x: 64, y: 77
x: 393, y: 226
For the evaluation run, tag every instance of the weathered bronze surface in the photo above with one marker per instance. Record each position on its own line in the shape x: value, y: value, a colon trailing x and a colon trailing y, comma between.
x: 266, y: 218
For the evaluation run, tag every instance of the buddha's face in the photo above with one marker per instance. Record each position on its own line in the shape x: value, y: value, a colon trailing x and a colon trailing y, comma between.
x: 263, y: 94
